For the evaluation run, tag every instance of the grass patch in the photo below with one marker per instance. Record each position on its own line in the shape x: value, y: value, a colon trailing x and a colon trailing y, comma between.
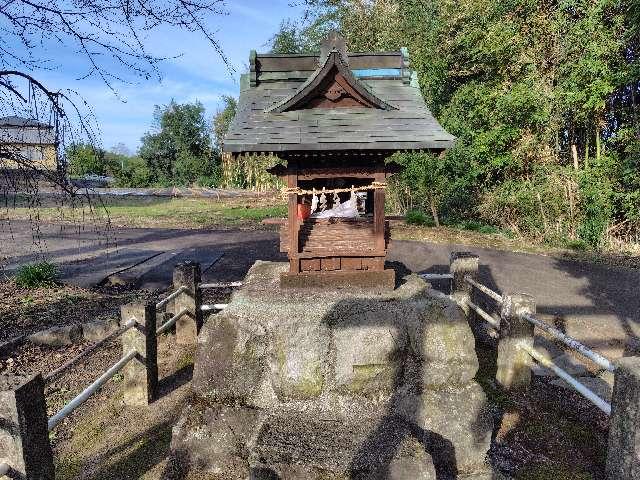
x: 161, y: 212
x: 577, y: 245
x: 34, y: 275
x: 68, y: 469
x: 475, y: 226
x: 185, y: 361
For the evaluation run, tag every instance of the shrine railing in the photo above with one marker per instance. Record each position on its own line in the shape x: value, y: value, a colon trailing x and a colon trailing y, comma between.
x: 512, y: 323
x: 28, y: 453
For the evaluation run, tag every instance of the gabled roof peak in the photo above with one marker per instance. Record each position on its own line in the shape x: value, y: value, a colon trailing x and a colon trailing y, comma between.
x: 332, y: 79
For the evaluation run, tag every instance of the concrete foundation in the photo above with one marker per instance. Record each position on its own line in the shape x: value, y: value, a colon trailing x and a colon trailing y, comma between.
x: 341, y: 384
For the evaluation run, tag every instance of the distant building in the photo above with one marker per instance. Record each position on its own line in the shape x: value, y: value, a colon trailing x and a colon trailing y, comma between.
x: 30, y: 141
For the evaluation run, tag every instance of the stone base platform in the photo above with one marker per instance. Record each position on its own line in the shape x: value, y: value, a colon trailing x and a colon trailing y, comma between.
x: 335, y: 384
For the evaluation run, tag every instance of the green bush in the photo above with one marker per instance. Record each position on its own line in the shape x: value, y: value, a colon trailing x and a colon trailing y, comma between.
x: 417, y: 217
x: 134, y: 172
x: 596, y: 193
x: 35, y: 275
x: 476, y: 226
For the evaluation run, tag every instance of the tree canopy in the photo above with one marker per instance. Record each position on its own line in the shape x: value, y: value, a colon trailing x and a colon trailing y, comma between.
x: 543, y: 98
x: 179, y: 150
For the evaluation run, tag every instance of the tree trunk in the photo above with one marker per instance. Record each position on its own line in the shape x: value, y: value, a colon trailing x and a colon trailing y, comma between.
x: 634, y: 108
x: 586, y: 150
x: 434, y: 212
x: 574, y: 152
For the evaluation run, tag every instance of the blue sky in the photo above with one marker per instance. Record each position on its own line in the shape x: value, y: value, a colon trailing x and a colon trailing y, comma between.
x: 197, y: 74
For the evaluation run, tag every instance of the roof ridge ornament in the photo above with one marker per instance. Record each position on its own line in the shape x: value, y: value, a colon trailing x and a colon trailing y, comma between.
x: 333, y: 43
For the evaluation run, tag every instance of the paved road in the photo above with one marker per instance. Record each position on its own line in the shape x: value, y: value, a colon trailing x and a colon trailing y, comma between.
x: 599, y: 305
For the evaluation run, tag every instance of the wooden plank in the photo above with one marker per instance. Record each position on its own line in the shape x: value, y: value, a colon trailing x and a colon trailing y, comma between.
x: 309, y: 264
x: 357, y: 61
x: 283, y: 76
x: 373, y: 263
x: 287, y: 63
x: 292, y: 182
x: 351, y: 263
x: 330, y: 264
x: 378, y: 210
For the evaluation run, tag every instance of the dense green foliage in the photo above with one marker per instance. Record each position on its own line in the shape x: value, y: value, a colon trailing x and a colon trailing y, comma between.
x: 179, y: 151
x: 33, y: 275
x: 86, y: 159
x: 542, y: 96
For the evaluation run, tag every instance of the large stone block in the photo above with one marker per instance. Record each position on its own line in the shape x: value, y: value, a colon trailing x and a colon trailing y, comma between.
x: 230, y: 359
x: 347, y: 384
x: 446, y: 345
x: 58, y: 336
x: 98, y: 329
x: 456, y: 420
x: 299, y: 360
x: 212, y: 440
x: 368, y: 353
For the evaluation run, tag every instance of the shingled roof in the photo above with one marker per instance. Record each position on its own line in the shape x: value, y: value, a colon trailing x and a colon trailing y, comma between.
x: 285, y: 104
x: 25, y: 131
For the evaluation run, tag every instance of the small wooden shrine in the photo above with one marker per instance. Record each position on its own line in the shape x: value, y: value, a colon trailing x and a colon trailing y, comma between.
x: 334, y: 118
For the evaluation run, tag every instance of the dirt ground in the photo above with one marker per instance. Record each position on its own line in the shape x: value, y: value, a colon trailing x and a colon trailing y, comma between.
x: 104, y: 439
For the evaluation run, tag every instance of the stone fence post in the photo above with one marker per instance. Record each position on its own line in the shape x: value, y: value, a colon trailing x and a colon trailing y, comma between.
x: 462, y: 264
x: 623, y: 453
x: 24, y: 435
x: 514, y: 363
x: 141, y: 373
x: 188, y: 326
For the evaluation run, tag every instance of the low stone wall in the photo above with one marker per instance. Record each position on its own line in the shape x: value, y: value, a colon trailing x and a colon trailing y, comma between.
x: 310, y: 384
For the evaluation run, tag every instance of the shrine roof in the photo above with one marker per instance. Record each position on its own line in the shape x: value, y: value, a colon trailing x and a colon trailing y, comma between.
x: 286, y: 104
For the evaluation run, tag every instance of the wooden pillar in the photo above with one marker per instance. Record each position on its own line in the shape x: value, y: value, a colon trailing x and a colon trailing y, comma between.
x: 294, y: 245
x: 187, y: 327
x: 378, y: 211
x: 514, y: 363
x: 623, y: 454
x: 24, y: 438
x: 141, y: 373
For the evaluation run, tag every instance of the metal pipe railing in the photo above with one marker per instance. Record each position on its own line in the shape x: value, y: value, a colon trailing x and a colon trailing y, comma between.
x: 4, y: 469
x: 220, y: 285
x: 486, y: 290
x: 166, y: 300
x: 488, y: 318
x: 571, y: 343
x: 215, y: 306
x: 579, y: 387
x: 91, y: 349
x: 90, y: 390
x: 169, y: 323
x: 436, y: 276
